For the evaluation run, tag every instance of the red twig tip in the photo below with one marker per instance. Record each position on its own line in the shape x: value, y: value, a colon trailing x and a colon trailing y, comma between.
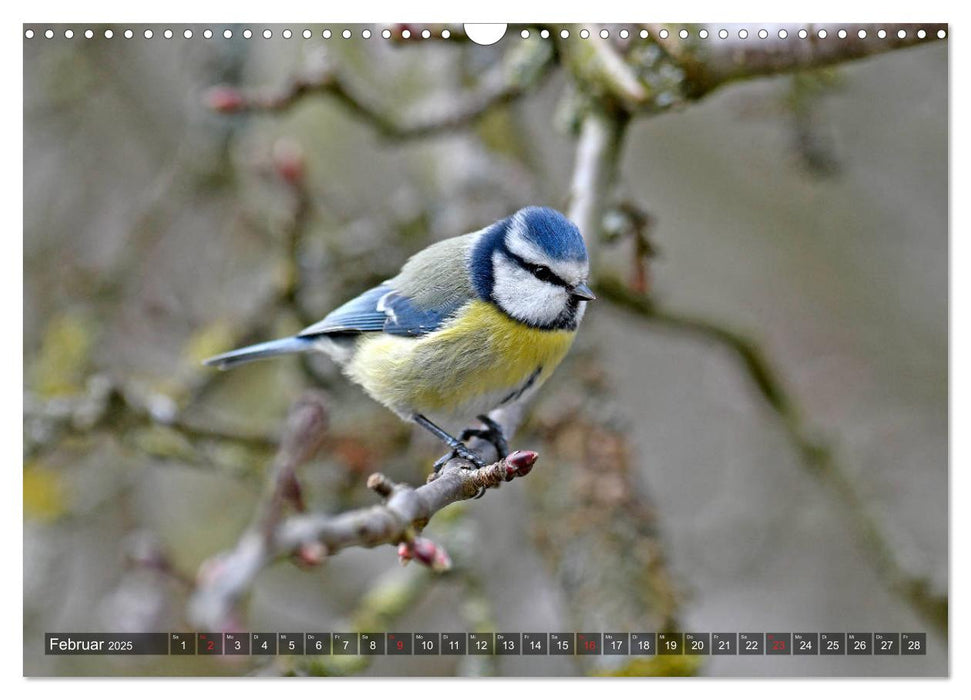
x: 289, y: 161
x: 311, y: 554
x: 224, y: 99
x: 520, y: 463
x: 425, y: 551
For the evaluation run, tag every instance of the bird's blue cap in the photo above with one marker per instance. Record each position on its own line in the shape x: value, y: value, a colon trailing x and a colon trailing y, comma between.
x: 552, y: 232
x: 547, y: 228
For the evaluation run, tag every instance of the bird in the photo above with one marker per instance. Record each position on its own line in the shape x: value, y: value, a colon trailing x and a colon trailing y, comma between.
x: 468, y: 325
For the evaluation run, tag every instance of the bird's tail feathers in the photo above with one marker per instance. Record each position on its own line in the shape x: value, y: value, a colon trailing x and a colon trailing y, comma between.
x: 260, y: 351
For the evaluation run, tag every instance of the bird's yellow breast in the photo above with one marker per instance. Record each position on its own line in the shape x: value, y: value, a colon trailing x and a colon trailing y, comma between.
x: 472, y: 364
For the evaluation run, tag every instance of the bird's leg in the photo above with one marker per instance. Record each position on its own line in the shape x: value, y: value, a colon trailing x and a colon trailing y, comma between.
x: 492, y: 433
x: 458, y: 449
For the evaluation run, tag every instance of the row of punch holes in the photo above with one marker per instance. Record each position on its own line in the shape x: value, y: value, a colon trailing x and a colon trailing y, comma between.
x: 446, y: 33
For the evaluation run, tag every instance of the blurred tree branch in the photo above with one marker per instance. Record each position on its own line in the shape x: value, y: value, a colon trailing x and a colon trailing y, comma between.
x: 108, y: 406
x: 310, y: 538
x: 818, y: 455
x: 521, y: 70
x: 713, y: 62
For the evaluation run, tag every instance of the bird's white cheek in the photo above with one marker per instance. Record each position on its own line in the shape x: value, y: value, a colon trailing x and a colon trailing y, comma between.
x: 523, y: 296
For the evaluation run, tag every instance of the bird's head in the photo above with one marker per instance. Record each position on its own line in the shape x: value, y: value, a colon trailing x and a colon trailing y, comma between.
x: 533, y: 266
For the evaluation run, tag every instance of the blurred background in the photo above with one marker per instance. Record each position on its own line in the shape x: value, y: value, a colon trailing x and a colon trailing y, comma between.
x: 759, y: 446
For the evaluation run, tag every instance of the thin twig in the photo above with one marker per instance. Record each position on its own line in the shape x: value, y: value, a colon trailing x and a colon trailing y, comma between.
x: 711, y: 63
x: 108, y: 406
x: 522, y: 70
x: 601, y: 71
x: 817, y: 455
x: 226, y: 577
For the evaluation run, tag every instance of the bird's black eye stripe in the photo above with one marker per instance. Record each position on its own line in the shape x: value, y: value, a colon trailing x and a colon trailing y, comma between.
x: 540, y: 272
x: 546, y: 274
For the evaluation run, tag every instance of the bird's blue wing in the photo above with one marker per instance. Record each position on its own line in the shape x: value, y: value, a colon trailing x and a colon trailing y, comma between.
x: 382, y: 309
x: 359, y: 315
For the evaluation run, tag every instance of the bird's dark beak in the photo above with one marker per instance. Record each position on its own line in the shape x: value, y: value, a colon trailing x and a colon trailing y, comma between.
x: 582, y: 291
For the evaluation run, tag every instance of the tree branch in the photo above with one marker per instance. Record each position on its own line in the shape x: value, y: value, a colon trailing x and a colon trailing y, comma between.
x: 521, y: 69
x: 713, y: 62
x: 817, y: 455
x: 226, y: 577
x: 110, y: 406
x: 602, y: 71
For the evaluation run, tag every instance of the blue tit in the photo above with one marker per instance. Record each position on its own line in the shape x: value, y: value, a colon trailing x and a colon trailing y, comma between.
x: 470, y: 324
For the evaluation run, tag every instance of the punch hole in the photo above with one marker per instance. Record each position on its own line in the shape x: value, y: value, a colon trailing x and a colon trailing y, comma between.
x: 187, y: 34
x: 644, y: 33
x: 247, y: 33
x: 129, y: 33
x: 307, y: 33
x: 327, y: 34
x: 446, y: 33
x: 604, y: 34
x: 783, y: 33
x: 267, y: 34
x: 841, y: 33
x: 703, y: 33
x: 49, y: 34
x: 882, y: 33
x: 722, y: 33
x: 347, y: 34
x: 921, y: 34
x: 485, y: 34
x: 821, y: 34
x: 545, y: 33
x: 941, y: 34
x: 426, y: 34
x: 29, y: 34
x: 148, y: 33
x: 743, y: 33
x: 88, y: 34
x: 683, y: 34
x: 386, y: 33
x: 803, y: 34
x: 624, y: 33
x: 763, y: 34
x: 109, y: 33
x: 564, y: 33
x: 68, y: 34
x: 524, y: 34
x: 207, y: 34
x: 287, y: 33
x: 584, y: 34
x: 227, y: 34
x: 663, y: 33
x: 167, y: 34
x: 366, y: 33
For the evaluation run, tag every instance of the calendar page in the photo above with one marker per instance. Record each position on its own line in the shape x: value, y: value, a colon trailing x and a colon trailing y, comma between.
x: 519, y: 350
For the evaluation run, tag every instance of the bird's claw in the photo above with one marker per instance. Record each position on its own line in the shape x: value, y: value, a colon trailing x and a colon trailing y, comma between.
x: 491, y: 433
x: 459, y: 452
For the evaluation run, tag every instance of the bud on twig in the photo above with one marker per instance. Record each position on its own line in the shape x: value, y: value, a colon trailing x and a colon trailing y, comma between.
x: 380, y: 484
x: 431, y: 554
x: 289, y: 161
x: 404, y: 553
x: 427, y: 552
x: 520, y: 463
x: 224, y: 99
x: 311, y: 554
